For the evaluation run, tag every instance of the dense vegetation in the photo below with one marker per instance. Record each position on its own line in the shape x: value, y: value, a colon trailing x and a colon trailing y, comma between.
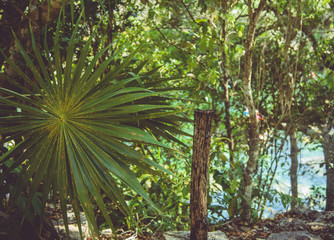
x: 97, y: 99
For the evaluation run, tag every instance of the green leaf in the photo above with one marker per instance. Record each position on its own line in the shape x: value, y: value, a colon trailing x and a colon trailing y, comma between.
x: 203, y: 44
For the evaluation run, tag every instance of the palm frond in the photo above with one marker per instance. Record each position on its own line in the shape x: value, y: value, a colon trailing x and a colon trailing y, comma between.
x: 77, y: 125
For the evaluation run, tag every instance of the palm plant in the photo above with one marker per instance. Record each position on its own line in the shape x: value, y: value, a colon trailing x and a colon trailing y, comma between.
x: 76, y: 122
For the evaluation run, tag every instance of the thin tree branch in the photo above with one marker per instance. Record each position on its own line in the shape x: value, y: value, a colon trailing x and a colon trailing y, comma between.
x: 191, y: 16
x: 174, y: 45
x: 259, y: 9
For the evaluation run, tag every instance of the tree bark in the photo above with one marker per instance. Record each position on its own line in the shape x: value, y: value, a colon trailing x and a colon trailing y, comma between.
x: 38, y: 15
x: 327, y: 141
x: 328, y: 147
x: 253, y: 121
x: 199, y: 174
x: 224, y: 84
x: 293, y: 168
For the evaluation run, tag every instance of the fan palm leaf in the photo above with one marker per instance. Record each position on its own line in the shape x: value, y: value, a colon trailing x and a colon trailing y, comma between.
x: 76, y: 125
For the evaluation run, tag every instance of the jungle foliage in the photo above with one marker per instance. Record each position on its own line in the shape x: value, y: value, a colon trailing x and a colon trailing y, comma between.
x: 97, y: 98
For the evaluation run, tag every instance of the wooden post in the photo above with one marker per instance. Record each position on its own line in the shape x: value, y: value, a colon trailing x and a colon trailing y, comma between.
x: 199, y: 174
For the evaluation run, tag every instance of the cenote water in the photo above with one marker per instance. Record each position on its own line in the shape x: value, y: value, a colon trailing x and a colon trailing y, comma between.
x: 310, y: 176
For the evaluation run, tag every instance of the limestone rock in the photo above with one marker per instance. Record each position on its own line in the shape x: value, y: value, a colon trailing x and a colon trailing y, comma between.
x: 300, y: 235
x: 326, y: 217
x: 307, y: 213
x: 72, y: 225
x: 107, y: 232
x: 294, y: 224
x: 185, y: 235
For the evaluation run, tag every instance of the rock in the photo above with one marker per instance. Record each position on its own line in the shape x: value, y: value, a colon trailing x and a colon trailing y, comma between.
x: 245, y: 229
x: 300, y: 235
x: 302, y: 210
x: 293, y: 224
x: 307, y: 213
x: 324, y: 230
x: 326, y: 217
x: 107, y: 232
x: 177, y: 235
x: 72, y: 225
x: 319, y: 226
x: 217, y: 235
x: 73, y: 232
x: 185, y: 235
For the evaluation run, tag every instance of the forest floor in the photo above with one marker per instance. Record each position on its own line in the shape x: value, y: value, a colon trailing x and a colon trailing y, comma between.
x: 302, y: 220
x: 313, y: 224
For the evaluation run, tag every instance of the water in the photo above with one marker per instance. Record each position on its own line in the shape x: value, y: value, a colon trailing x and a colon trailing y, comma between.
x: 310, y: 175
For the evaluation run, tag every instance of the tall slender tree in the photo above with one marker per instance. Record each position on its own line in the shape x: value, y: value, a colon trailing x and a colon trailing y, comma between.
x: 253, y: 128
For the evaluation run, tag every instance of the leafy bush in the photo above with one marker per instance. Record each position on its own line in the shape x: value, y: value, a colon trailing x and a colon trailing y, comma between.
x: 317, y: 197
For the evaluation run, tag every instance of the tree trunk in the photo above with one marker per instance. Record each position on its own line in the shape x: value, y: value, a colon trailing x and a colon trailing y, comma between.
x: 328, y: 147
x: 38, y: 16
x: 253, y: 123
x: 225, y: 83
x: 199, y: 174
x: 293, y: 168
